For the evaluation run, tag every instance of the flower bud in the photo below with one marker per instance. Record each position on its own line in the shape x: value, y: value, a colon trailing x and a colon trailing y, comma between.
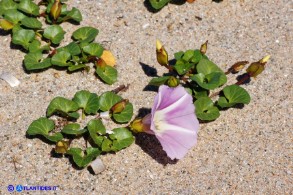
x: 119, y: 107
x: 137, y: 126
x: 204, y: 48
x: 237, y: 67
x: 5, y: 24
x: 256, y: 68
x: 56, y: 9
x: 190, y: 1
x: 162, y: 55
x: 173, y: 81
x: 61, y: 147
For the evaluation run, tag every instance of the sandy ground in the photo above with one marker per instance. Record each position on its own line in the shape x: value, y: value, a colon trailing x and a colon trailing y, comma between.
x: 245, y: 151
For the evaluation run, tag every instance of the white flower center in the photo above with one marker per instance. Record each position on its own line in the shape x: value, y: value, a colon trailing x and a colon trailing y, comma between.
x: 159, y: 121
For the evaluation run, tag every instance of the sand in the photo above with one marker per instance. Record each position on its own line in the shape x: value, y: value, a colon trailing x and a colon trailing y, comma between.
x: 245, y: 151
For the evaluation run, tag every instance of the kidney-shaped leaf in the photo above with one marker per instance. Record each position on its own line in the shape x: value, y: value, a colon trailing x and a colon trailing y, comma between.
x: 54, y: 33
x: 31, y: 23
x: 73, y: 129
x: 108, y: 99
x: 29, y: 7
x: 122, y: 138
x: 7, y: 5
x: 124, y: 116
x: 93, y: 49
x: 89, y: 102
x: 108, y: 74
x: 36, y: 46
x: 182, y: 67
x: 35, y: 61
x: 23, y: 37
x: 86, y: 34
x: 74, y: 14
x: 209, y: 81
x: 96, y: 129
x: 233, y: 95
x: 43, y: 126
x: 205, y: 109
x: 82, y: 159
x: 72, y: 48
x: 61, y: 59
x: 62, y: 106
x: 14, y: 16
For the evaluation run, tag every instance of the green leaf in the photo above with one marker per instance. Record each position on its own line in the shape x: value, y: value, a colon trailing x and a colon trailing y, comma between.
x: 31, y: 23
x: 158, y: 4
x: 178, y: 55
x: 233, y: 95
x: 93, y: 49
x: 36, y: 46
x: 23, y: 37
x: 159, y: 80
x: 77, y: 67
x: 207, y: 67
x: 73, y: 129
x: 61, y: 59
x: 96, y: 130
x: 108, y: 74
x: 7, y: 5
x: 205, y: 109
x: 35, y: 61
x: 54, y: 33
x: 197, y: 56
x: 188, y: 55
x: 14, y: 16
x: 124, y: 116
x: 86, y: 34
x: 209, y: 81
x: 62, y: 106
x: 74, y: 14
x: 43, y: 126
x: 73, y: 48
x: 107, y: 145
x: 83, y: 159
x: 108, y: 99
x: 182, y: 67
x: 29, y: 7
x: 89, y: 102
x: 122, y: 138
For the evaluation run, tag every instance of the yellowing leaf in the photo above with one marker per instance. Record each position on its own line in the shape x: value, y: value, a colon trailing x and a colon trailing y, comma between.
x: 109, y: 58
x: 5, y: 24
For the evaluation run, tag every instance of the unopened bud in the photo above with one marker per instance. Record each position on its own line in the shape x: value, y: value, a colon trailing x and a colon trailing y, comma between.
x: 255, y: 69
x: 56, y: 9
x: 119, y: 107
x: 190, y: 1
x: 162, y: 55
x: 204, y: 48
x: 137, y: 126
x: 173, y: 81
x: 237, y: 66
x: 61, y: 147
x: 5, y: 24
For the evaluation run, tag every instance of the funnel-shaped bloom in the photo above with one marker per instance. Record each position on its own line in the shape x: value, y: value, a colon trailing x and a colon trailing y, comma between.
x: 173, y: 121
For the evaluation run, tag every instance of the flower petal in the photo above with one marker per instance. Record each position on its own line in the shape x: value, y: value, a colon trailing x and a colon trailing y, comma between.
x: 174, y: 122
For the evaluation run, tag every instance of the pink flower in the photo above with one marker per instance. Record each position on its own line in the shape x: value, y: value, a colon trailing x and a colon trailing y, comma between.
x: 173, y: 121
